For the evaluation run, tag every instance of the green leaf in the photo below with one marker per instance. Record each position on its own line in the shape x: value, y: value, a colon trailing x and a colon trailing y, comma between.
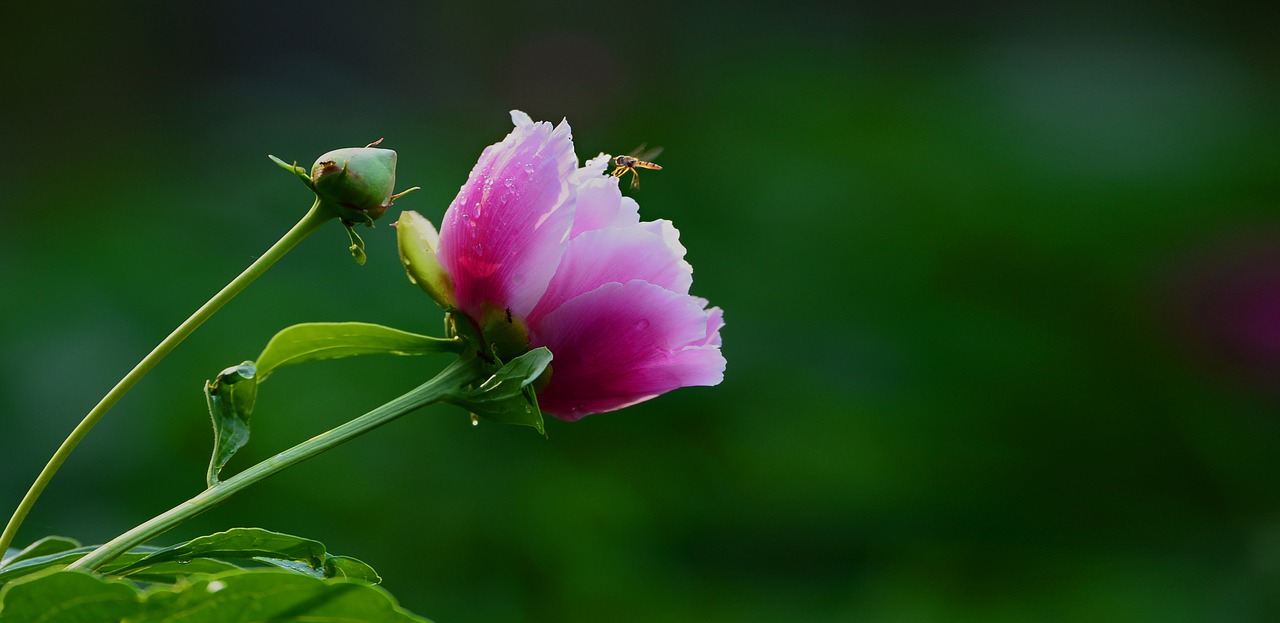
x: 43, y: 547
x: 29, y: 566
x: 241, y: 596
x: 506, y: 396
x: 330, y: 340
x: 175, y: 571
x: 348, y: 567
x: 241, y: 544
x: 61, y: 559
x: 69, y: 597
x: 230, y: 397
x: 215, y: 553
x: 278, y: 596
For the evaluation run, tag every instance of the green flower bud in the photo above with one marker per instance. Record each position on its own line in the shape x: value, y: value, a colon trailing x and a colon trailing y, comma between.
x: 356, y: 183
x: 418, y: 241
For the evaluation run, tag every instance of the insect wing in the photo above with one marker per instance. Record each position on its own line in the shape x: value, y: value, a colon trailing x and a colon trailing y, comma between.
x: 640, y: 153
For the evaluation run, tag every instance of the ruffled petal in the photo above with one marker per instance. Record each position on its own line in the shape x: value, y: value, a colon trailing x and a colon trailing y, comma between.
x: 647, y: 251
x: 503, y: 235
x: 625, y: 343
x: 599, y: 200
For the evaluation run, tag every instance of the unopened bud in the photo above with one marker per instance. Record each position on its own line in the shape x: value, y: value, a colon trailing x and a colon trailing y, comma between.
x: 357, y: 183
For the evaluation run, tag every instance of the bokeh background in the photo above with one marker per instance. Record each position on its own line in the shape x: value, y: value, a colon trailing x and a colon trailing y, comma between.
x: 1002, y: 286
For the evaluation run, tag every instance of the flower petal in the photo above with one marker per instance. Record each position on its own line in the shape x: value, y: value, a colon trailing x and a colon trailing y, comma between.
x: 625, y: 343
x: 648, y: 251
x: 503, y: 235
x: 599, y: 202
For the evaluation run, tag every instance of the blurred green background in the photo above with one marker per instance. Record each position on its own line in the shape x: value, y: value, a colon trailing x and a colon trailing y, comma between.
x: 1002, y: 287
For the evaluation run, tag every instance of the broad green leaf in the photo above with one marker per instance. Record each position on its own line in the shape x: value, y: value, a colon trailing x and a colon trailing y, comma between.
x: 278, y: 596
x: 241, y: 544
x: 230, y: 397
x: 43, y: 547
x: 330, y: 340
x: 506, y: 396
x: 61, y: 559
x: 69, y: 597
x: 234, y: 549
x: 175, y: 571
x: 241, y: 596
x: 36, y: 564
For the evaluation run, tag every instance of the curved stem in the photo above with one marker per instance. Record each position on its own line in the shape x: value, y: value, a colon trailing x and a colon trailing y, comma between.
x: 309, y: 223
x: 460, y: 372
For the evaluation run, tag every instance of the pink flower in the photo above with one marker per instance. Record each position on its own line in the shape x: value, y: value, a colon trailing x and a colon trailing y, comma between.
x: 540, y: 252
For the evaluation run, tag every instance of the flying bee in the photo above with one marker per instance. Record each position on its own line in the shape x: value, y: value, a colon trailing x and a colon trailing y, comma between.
x: 637, y: 159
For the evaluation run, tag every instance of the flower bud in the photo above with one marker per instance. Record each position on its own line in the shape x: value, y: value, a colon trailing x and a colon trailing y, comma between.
x: 356, y: 183
x: 418, y: 240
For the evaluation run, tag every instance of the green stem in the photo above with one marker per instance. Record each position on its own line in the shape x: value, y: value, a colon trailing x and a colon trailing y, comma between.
x: 445, y: 384
x: 309, y: 223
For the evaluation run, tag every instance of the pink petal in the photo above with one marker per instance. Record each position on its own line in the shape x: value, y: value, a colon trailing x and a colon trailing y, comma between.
x: 599, y: 201
x: 625, y: 343
x: 503, y: 235
x: 648, y: 251
x: 715, y: 321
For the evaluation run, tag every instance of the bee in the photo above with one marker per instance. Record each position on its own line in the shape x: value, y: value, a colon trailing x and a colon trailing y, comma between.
x: 637, y: 159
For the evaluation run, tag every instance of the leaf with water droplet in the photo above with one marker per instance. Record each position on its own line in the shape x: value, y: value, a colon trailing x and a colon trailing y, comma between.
x: 251, y: 544
x: 507, y: 396
x: 230, y: 397
x: 238, y: 596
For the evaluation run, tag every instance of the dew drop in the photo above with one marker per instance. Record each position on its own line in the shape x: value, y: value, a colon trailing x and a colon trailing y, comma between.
x: 480, y: 249
x: 640, y: 325
x: 184, y: 562
x: 475, y: 420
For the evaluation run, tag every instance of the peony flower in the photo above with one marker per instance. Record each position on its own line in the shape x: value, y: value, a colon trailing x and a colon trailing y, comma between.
x: 540, y: 252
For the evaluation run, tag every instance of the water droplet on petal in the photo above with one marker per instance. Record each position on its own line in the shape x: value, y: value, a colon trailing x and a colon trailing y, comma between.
x: 640, y: 325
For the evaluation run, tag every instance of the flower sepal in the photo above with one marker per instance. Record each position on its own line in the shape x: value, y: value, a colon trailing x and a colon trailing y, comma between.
x: 507, y: 395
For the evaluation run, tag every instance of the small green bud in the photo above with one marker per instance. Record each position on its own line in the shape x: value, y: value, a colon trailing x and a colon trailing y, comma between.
x: 418, y: 241
x: 357, y: 183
